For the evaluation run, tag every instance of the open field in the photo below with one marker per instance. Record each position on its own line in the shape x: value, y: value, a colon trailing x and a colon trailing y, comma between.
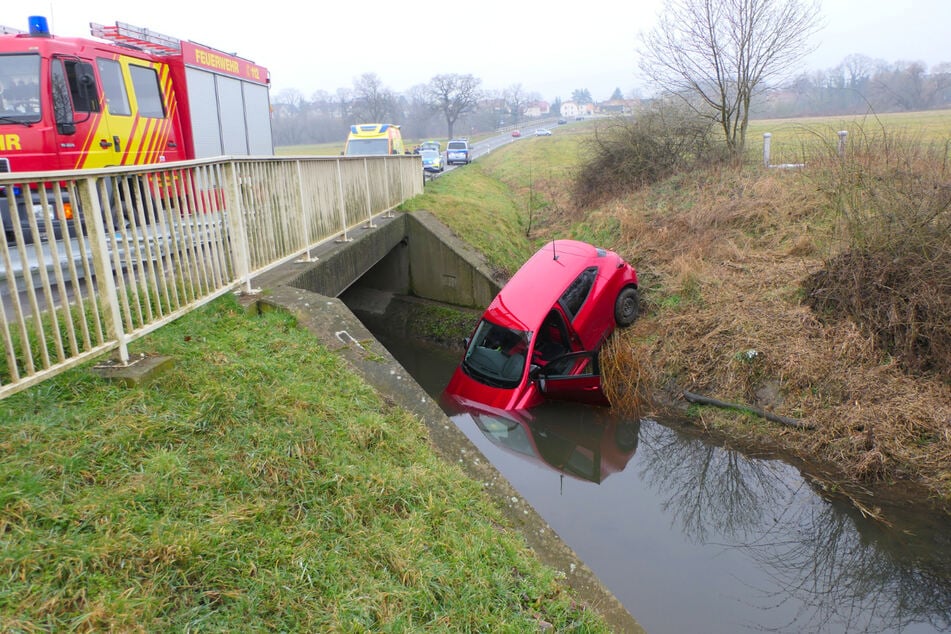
x: 792, y: 138
x: 799, y: 140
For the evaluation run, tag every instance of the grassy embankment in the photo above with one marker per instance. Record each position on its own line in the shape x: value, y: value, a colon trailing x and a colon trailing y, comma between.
x: 258, y: 485
x: 722, y: 257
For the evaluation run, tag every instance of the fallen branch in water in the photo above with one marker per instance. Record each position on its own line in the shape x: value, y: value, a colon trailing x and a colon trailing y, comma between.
x: 776, y: 418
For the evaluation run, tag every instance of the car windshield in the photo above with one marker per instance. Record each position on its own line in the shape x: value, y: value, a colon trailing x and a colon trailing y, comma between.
x: 496, y: 355
x: 431, y: 155
x: 19, y: 88
x: 456, y: 146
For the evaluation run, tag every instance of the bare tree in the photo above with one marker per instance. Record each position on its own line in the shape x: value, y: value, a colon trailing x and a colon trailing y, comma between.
x: 372, y: 101
x: 290, y: 97
x: 718, y: 54
x: 515, y: 101
x: 345, y: 100
x: 454, y: 95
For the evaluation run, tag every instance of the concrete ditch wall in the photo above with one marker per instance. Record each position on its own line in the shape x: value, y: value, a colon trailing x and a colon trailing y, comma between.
x: 410, y: 254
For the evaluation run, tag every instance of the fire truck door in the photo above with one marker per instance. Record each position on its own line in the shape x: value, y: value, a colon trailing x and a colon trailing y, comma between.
x: 111, y: 138
x: 80, y: 125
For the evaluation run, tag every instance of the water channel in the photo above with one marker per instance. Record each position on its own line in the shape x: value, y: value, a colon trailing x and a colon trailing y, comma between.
x: 694, y: 537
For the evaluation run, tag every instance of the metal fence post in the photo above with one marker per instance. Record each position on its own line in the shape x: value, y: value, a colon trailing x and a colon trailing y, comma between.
x: 240, y: 254
x: 343, y: 206
x: 366, y: 175
x: 306, y: 219
x: 102, y: 264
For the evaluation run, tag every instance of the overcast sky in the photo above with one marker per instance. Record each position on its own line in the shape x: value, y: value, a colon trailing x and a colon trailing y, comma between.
x: 548, y: 50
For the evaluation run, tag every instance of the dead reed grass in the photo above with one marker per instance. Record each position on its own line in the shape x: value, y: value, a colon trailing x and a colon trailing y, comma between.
x: 723, y: 256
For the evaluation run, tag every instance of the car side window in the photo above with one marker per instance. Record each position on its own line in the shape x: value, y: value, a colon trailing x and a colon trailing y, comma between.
x: 573, y: 298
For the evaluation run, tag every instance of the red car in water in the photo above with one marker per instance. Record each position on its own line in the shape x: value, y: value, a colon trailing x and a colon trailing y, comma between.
x: 540, y: 336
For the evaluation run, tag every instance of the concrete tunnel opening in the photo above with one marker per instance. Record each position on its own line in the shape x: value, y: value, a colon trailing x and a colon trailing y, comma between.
x: 408, y: 277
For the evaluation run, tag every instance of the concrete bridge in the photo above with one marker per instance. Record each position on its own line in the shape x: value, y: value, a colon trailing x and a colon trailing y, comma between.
x: 406, y: 254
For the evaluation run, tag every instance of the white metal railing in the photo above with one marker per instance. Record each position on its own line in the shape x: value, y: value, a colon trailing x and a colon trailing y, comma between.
x: 94, y: 259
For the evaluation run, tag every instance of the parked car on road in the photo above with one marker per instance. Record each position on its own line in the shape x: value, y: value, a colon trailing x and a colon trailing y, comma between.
x: 516, y: 133
x: 432, y: 160
x: 458, y: 151
x: 541, y: 335
x: 542, y: 132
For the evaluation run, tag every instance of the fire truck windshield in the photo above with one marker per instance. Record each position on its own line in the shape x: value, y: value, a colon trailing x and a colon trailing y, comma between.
x: 20, y: 88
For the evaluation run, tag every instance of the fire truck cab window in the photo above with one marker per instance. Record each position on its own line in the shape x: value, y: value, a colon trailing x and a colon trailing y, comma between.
x: 148, y: 95
x: 81, y: 87
x: 117, y: 100
x: 19, y: 87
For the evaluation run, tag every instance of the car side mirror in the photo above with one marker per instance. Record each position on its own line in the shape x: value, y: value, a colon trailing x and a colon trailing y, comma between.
x: 534, y: 371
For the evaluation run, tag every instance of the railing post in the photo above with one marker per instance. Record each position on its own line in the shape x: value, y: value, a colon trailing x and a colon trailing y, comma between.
x: 234, y: 214
x: 386, y: 186
x: 343, y: 206
x: 402, y: 195
x: 842, y: 136
x: 303, y: 212
x: 102, y: 264
x: 767, y: 137
x: 366, y: 174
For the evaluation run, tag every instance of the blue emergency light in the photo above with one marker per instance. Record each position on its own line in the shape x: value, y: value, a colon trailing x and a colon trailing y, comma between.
x: 38, y: 26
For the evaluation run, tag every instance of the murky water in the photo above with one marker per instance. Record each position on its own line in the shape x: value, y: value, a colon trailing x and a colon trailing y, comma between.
x: 693, y: 537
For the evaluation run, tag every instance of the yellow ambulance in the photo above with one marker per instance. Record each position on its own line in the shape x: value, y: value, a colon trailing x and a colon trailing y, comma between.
x: 374, y: 139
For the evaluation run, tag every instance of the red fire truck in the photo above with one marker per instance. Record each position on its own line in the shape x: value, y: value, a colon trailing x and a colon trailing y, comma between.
x: 127, y: 96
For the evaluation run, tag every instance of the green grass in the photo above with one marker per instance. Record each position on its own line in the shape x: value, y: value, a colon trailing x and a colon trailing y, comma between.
x: 258, y: 485
x: 506, y: 203
x: 799, y: 139
x: 312, y: 149
x: 475, y: 204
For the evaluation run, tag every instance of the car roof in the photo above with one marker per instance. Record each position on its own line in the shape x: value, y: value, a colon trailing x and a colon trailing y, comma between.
x: 524, y: 302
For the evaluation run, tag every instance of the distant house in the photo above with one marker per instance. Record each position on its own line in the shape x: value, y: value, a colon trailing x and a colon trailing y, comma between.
x: 618, y: 106
x: 537, y: 109
x: 570, y: 110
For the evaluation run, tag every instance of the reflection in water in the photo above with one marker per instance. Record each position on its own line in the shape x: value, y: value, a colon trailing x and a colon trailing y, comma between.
x: 693, y: 537
x: 842, y: 571
x: 584, y: 442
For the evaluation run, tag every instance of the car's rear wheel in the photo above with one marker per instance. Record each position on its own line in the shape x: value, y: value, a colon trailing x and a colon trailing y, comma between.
x: 626, y: 306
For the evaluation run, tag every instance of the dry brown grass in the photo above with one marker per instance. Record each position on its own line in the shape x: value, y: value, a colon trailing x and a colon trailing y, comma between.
x: 722, y: 257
